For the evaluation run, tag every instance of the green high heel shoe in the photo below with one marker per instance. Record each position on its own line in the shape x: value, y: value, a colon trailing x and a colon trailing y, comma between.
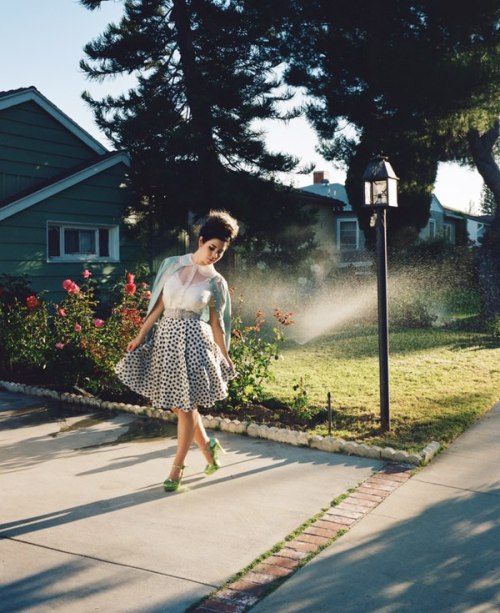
x: 214, y: 447
x: 172, y: 485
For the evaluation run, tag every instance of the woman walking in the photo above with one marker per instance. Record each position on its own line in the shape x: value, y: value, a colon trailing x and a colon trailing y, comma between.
x: 185, y: 363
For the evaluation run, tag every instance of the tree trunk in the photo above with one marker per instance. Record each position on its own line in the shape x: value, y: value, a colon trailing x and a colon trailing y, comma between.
x: 481, y: 147
x: 201, y: 115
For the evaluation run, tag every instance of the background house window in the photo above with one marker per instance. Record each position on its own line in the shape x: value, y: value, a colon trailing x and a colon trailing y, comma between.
x: 81, y: 243
x: 447, y: 232
x: 348, y: 234
x: 432, y: 228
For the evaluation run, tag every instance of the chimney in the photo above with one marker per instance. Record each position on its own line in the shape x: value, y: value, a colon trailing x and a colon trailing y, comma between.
x: 320, y: 177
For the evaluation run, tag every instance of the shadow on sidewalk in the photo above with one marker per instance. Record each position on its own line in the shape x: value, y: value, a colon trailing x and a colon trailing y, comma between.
x: 80, y: 579
x: 445, y: 559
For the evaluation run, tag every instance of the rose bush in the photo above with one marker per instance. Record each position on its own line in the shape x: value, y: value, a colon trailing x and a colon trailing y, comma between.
x: 68, y: 344
x: 76, y: 343
x: 252, y: 353
x: 25, y: 337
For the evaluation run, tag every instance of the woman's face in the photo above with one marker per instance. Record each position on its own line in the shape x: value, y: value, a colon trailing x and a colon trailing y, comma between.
x: 211, y: 251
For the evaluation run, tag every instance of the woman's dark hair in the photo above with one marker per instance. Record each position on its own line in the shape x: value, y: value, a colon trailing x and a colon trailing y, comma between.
x: 221, y: 225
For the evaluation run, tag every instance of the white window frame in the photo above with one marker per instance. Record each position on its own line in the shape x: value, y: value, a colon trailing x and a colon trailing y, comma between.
x: 113, y: 243
x: 339, y: 224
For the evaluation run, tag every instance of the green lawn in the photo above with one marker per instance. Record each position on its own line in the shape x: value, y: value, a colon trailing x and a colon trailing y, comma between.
x: 441, y: 382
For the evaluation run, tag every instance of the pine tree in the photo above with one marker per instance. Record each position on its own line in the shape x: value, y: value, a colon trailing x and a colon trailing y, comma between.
x: 205, y: 72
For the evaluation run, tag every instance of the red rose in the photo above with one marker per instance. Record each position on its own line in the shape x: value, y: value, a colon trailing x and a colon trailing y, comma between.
x: 32, y: 302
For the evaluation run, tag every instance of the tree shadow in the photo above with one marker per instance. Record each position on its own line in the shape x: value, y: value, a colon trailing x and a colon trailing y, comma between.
x: 68, y: 585
x: 447, y: 558
x: 42, y: 588
x: 72, y: 429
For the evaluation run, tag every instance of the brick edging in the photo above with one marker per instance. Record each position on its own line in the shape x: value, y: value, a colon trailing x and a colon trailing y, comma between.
x: 249, y: 588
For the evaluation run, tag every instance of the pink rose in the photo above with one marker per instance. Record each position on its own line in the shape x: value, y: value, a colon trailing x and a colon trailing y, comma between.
x: 71, y: 287
x: 147, y: 294
x: 61, y: 312
x: 77, y: 327
x: 130, y: 277
x: 98, y: 323
x: 86, y: 274
x: 130, y: 288
x: 59, y: 345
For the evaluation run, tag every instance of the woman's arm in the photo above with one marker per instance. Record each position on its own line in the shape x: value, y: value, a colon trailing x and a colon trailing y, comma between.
x: 147, y: 325
x: 218, y: 333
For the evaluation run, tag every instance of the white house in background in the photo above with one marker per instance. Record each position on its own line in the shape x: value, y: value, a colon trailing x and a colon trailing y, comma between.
x: 341, y: 222
x: 476, y: 226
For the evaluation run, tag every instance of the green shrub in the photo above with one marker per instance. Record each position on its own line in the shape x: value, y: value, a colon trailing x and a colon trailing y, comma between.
x: 26, y: 335
x: 252, y: 354
x: 410, y: 312
x: 493, y: 326
x: 67, y: 344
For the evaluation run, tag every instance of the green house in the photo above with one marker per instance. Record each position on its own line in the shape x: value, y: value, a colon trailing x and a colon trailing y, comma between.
x: 62, y: 197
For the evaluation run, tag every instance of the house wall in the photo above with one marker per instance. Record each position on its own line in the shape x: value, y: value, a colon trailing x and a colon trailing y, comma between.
x: 325, y: 229
x: 443, y: 222
x: 328, y: 239
x: 98, y: 200
x: 475, y: 231
x: 35, y: 147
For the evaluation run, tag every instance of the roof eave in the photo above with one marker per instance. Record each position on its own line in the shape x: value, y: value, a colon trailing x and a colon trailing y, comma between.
x: 58, y: 186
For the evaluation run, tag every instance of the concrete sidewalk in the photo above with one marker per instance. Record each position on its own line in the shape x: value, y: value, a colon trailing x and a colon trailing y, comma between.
x: 432, y: 545
x: 86, y: 526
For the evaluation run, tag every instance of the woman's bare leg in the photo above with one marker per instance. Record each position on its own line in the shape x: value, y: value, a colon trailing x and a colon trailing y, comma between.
x: 186, y: 423
x: 186, y: 436
x: 201, y: 438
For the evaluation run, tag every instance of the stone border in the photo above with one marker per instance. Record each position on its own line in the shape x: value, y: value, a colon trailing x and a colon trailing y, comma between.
x: 271, y: 433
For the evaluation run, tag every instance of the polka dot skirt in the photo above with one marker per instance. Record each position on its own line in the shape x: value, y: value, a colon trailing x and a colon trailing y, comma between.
x: 180, y: 366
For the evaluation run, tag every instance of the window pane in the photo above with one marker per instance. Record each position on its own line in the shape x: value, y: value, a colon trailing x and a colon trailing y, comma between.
x: 54, y: 248
x: 71, y: 241
x: 348, y: 235
x: 79, y: 242
x: 87, y: 241
x: 103, y: 242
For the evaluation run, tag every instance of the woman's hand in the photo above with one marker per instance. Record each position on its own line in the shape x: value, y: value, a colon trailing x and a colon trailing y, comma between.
x: 230, y: 362
x: 134, y: 343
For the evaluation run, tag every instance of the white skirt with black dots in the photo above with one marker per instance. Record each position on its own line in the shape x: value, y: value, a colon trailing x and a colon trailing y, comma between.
x: 180, y: 366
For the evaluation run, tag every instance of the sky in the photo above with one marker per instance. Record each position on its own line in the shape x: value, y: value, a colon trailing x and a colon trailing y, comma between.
x: 41, y: 44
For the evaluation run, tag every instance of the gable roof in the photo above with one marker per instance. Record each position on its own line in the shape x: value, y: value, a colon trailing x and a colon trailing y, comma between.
x: 14, y: 97
x: 21, y: 201
x: 328, y: 190
x: 103, y: 159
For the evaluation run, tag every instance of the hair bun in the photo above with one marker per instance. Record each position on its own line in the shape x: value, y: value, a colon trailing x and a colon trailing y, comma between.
x: 219, y: 224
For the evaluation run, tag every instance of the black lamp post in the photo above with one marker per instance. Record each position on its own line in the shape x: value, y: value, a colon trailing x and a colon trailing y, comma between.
x: 381, y: 192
